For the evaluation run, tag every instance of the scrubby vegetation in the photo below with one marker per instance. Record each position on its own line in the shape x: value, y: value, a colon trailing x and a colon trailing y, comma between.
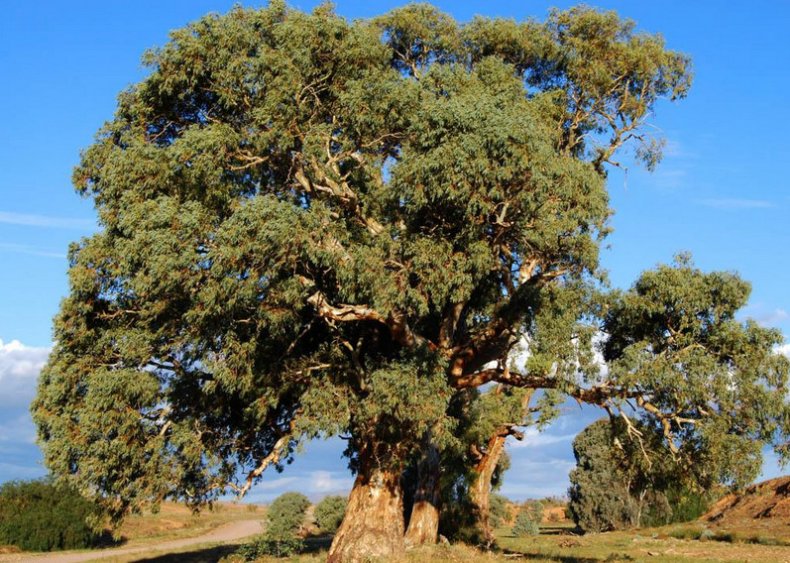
x: 329, y: 513
x: 499, y: 510
x: 42, y: 516
x: 285, y: 516
x: 285, y: 519
x: 528, y: 519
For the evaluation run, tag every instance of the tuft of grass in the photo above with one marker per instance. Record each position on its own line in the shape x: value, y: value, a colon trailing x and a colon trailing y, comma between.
x: 687, y: 533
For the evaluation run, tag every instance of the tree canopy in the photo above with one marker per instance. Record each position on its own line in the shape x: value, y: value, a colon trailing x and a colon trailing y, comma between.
x: 314, y: 227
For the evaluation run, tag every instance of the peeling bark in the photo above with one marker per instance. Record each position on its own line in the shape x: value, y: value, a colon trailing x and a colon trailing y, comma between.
x: 424, y: 520
x: 373, y: 525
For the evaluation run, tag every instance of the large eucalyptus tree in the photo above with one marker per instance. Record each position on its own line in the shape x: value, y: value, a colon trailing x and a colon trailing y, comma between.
x: 316, y: 227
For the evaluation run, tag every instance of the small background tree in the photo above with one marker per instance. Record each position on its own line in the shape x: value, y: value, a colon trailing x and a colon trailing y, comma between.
x: 285, y: 516
x: 528, y: 519
x: 623, y: 481
x: 329, y: 513
x: 42, y: 516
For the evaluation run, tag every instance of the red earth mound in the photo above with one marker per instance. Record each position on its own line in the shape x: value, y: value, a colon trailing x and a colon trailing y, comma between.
x: 764, y: 506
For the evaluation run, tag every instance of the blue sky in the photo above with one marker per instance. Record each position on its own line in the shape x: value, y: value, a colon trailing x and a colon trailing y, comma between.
x: 722, y: 191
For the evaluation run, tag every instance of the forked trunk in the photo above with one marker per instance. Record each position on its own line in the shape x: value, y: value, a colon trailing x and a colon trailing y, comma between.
x: 480, y: 491
x: 373, y: 525
x: 424, y: 520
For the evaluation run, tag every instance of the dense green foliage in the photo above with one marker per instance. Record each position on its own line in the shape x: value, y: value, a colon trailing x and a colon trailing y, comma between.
x: 285, y: 516
x: 600, y: 495
x: 314, y: 227
x: 528, y: 519
x: 329, y: 513
x: 40, y: 516
x: 624, y: 480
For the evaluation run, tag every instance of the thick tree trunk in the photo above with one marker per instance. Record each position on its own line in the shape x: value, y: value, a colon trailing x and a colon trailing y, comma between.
x: 373, y: 525
x: 424, y: 520
x: 480, y: 492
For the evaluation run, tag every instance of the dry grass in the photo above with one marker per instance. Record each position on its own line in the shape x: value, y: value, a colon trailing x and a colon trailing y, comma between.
x: 175, y: 521
x: 557, y: 544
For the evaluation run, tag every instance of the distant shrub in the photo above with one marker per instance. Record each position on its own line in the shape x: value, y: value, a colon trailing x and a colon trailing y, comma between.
x: 42, y: 516
x: 528, y: 519
x: 285, y: 516
x: 329, y: 513
x: 284, y: 520
x: 499, y: 512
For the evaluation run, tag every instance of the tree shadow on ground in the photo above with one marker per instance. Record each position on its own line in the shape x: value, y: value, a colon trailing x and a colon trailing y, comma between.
x: 524, y: 556
x: 314, y: 544
x: 213, y: 554
x: 204, y: 555
x: 558, y: 531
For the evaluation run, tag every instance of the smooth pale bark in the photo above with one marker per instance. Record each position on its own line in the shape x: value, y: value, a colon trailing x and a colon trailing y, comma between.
x: 480, y: 492
x: 423, y: 525
x: 373, y: 526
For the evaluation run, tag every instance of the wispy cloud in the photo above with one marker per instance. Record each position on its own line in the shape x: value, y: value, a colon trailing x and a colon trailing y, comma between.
x: 29, y: 220
x: 736, y: 203
x: 675, y: 149
x: 314, y: 484
x: 766, y: 316
x: 32, y: 250
x: 534, y: 438
x: 669, y: 178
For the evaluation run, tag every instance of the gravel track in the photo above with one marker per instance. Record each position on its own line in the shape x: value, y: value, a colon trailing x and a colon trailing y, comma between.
x: 226, y: 533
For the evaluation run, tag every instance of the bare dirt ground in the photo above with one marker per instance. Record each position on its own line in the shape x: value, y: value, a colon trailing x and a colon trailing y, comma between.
x: 226, y: 533
x: 762, y: 509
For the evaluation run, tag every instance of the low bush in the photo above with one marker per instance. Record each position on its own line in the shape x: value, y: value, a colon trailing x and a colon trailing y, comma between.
x: 285, y: 516
x: 528, y: 519
x: 42, y: 516
x: 284, y: 520
x: 329, y: 513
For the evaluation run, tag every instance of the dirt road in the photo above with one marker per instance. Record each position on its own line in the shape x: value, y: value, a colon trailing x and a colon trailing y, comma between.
x: 226, y: 533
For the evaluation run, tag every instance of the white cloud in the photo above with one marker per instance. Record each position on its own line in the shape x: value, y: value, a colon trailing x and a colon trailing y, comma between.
x: 276, y: 484
x: 323, y: 482
x: 764, y: 315
x: 315, y: 484
x: 537, y: 478
x: 534, y: 438
x: 735, y: 203
x: 19, y: 369
x: 784, y: 349
x: 29, y: 220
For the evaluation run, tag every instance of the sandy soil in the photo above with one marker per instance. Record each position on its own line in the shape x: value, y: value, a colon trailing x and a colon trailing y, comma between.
x: 226, y: 533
